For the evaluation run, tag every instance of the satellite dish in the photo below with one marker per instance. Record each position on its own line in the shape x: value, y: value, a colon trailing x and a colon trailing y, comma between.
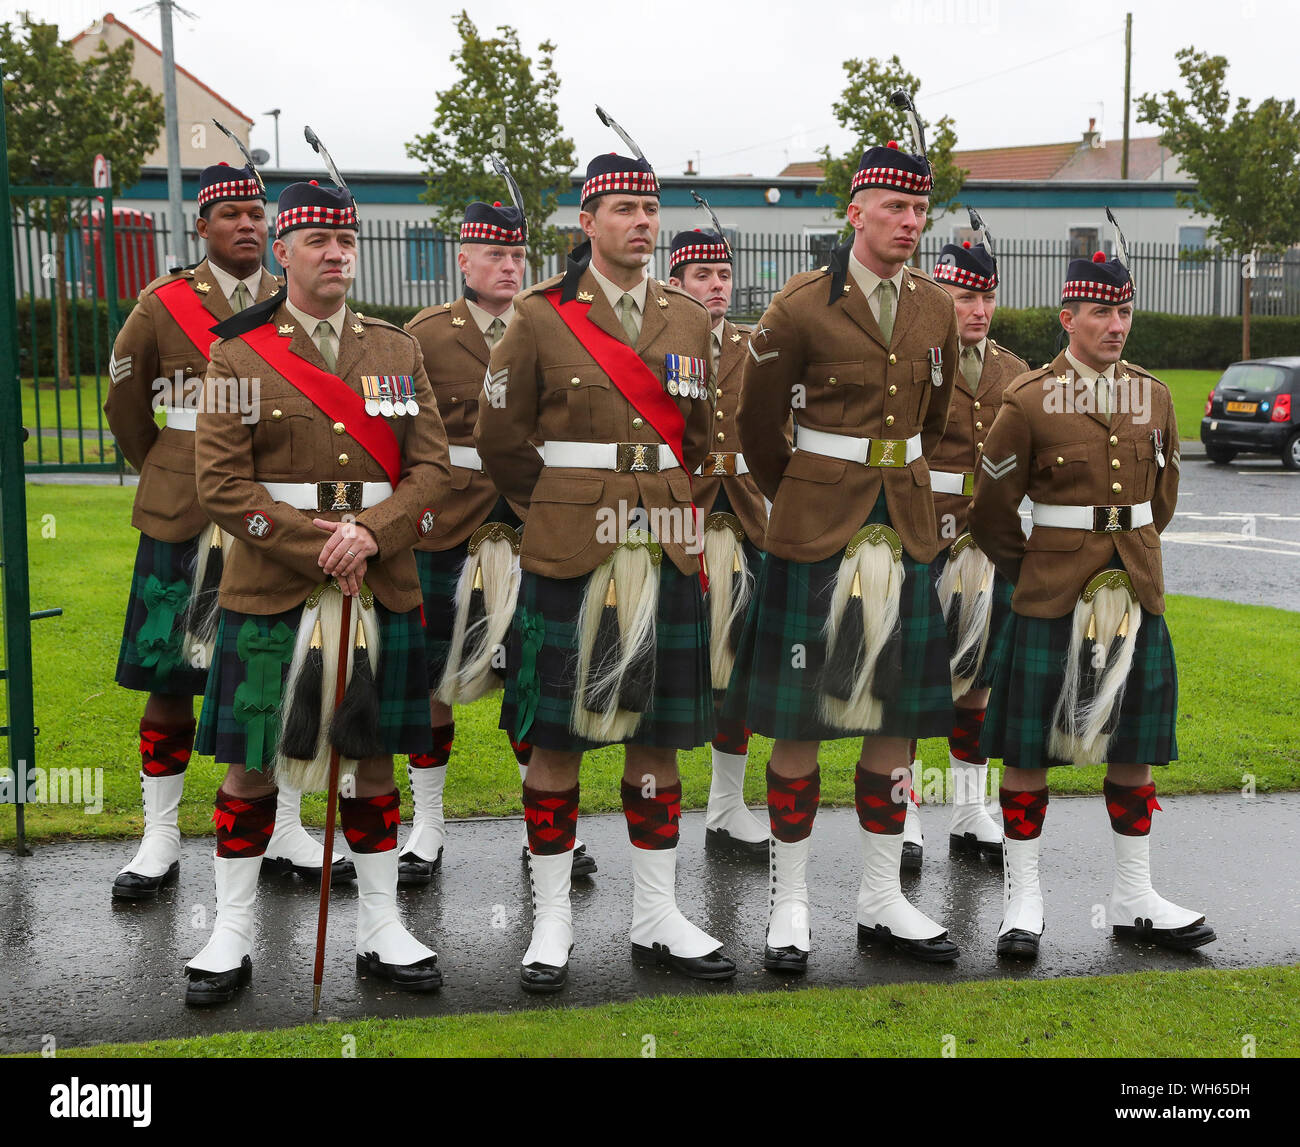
x: 261, y: 155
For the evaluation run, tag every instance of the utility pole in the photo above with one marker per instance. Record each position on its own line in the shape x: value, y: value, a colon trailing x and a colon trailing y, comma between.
x: 175, y: 212
x: 1128, y: 74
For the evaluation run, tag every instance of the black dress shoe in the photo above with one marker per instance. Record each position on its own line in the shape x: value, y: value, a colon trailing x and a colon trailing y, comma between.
x: 788, y: 959
x: 415, y: 871
x: 912, y: 855
x: 721, y: 839
x: 206, y: 988
x: 422, y: 976
x: 133, y: 886
x: 543, y: 978
x: 937, y: 950
x: 971, y: 845
x: 1179, y: 939
x: 714, y: 966
x: 341, y: 871
x: 1018, y: 944
x: 583, y: 865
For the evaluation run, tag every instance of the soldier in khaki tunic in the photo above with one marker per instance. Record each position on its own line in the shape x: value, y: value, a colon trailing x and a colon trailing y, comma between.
x: 469, y: 561
x: 159, y: 358
x: 735, y: 518
x: 1085, y: 672
x: 325, y: 488
x: 609, y: 371
x: 975, y: 599
x: 845, y: 637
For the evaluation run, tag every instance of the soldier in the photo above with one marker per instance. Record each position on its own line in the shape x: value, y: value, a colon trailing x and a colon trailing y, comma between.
x: 473, y: 547
x: 608, y: 371
x: 326, y: 487
x: 160, y: 358
x: 975, y: 599
x: 845, y: 636
x: 1085, y: 670
x: 735, y: 517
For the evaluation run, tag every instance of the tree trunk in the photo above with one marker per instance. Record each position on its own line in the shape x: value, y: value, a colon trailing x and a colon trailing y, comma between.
x: 62, y: 345
x: 1247, y: 285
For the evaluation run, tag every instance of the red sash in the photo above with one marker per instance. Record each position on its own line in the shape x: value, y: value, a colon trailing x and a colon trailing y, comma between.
x: 332, y: 395
x: 635, y: 381
x: 180, y: 301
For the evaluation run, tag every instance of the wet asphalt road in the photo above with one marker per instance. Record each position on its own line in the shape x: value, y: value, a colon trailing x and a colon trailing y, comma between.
x: 85, y: 970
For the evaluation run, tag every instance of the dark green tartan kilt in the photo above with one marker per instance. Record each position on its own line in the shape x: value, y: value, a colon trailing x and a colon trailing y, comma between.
x: 163, y: 665
x: 754, y: 556
x: 681, y: 712
x: 439, y: 574
x: 999, y: 618
x: 1029, y: 672
x: 791, y: 601
x: 402, y: 684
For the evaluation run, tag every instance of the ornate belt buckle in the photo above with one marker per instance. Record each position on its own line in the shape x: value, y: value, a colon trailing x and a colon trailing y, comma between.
x: 637, y: 458
x: 344, y: 496
x: 888, y: 452
x: 1112, y: 519
x: 968, y: 484
x: 724, y: 464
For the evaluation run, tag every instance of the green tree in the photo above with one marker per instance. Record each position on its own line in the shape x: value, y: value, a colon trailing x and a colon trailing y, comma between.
x: 501, y: 104
x: 865, y: 109
x: 1245, y: 167
x: 61, y: 113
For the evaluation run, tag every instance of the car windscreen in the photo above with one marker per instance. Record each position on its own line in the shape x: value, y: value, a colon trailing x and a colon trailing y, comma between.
x: 1252, y: 376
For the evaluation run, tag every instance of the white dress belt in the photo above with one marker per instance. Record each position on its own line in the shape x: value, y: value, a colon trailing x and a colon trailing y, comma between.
x: 944, y: 482
x: 181, y: 418
x: 305, y: 495
x: 598, y: 455
x: 465, y: 457
x: 848, y: 447
x: 742, y: 467
x: 1091, y: 518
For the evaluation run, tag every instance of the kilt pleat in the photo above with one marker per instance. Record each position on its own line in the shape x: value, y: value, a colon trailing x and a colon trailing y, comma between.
x: 773, y: 686
x: 168, y: 669
x: 680, y: 715
x: 401, y: 682
x: 1029, y: 673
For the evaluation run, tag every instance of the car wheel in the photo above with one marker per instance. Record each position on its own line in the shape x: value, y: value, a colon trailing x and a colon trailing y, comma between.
x: 1291, y: 452
x: 1220, y: 454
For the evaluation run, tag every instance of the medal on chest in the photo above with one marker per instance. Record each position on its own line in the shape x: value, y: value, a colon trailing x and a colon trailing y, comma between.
x: 685, y: 376
x: 935, y: 355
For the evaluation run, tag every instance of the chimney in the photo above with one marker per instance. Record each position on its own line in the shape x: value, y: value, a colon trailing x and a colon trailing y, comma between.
x: 690, y: 168
x: 1092, y: 137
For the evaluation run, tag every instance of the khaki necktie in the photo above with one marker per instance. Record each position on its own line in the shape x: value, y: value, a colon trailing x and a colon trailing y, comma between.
x: 325, y: 343
x: 970, y: 367
x: 241, y: 298
x: 627, y: 316
x: 717, y: 351
x: 885, y: 293
x: 1102, y: 386
x: 494, y: 332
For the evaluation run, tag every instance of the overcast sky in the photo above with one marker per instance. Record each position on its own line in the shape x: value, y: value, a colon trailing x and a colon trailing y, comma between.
x: 738, y: 88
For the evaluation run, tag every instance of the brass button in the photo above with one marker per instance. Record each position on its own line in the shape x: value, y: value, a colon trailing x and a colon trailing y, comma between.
x: 1115, y: 488
x: 893, y: 389
x: 1114, y: 463
x: 343, y: 459
x: 976, y: 404
x: 637, y: 423
x: 979, y: 445
x: 575, y: 380
x: 719, y: 415
x: 832, y: 380
x: 455, y: 399
x: 1114, y: 441
x: 339, y: 428
x: 277, y: 414
x: 893, y: 358
x: 189, y: 370
x: 979, y: 426
x: 1060, y: 461
x: 721, y: 436
x: 889, y: 420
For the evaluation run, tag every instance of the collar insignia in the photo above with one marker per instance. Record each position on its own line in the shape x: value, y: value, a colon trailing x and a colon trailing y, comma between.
x: 203, y: 288
x: 586, y: 297
x: 736, y: 337
x: 662, y: 302
x: 357, y: 328
x: 457, y: 322
x: 286, y: 328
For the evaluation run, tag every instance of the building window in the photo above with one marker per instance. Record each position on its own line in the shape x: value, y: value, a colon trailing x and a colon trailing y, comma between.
x: 820, y: 245
x: 1084, y: 242
x: 1191, y: 248
x: 426, y: 255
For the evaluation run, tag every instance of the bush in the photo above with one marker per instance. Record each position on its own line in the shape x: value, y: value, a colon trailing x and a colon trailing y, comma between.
x: 84, y: 316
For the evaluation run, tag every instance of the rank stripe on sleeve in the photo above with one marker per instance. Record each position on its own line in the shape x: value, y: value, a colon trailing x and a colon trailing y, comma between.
x: 191, y: 316
x: 332, y: 395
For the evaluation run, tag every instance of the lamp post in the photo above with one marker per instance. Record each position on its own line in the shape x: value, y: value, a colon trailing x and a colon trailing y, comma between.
x: 275, y: 114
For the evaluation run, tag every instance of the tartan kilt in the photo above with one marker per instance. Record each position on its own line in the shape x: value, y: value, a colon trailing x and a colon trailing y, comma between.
x: 790, y: 606
x: 172, y: 564
x: 681, y: 712
x: 754, y: 556
x: 999, y: 615
x: 439, y: 574
x: 1029, y: 673
x: 403, y: 687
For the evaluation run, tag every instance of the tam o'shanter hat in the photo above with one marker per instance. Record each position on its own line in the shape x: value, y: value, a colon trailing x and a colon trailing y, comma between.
x: 311, y: 205
x: 221, y: 182
x: 613, y: 173
x: 1100, y: 280
x: 969, y: 265
x: 493, y: 223
x: 891, y: 167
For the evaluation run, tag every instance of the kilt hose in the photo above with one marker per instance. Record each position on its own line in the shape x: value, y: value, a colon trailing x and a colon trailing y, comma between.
x: 401, y: 683
x: 774, y: 686
x: 999, y: 615
x: 754, y: 556
x: 1029, y: 658
x: 439, y: 573
x: 544, y: 647
x: 152, y: 657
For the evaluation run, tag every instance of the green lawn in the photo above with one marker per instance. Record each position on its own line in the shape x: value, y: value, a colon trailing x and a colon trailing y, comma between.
x: 1189, y: 388
x: 82, y: 549
x: 1175, y: 1015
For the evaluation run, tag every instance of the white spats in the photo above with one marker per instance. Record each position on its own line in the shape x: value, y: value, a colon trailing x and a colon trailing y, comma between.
x: 1132, y: 899
x: 160, y: 847
x: 232, y: 935
x: 912, y: 820
x: 1022, y: 898
x: 655, y: 917
x: 289, y: 840
x: 880, y: 896
x: 969, y: 812
x: 788, y: 921
x: 428, y: 829
x: 726, y: 809
x: 552, y: 935
x: 379, y: 929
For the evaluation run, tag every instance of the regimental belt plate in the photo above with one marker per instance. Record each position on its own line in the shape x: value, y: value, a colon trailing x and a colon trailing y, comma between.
x: 1112, y: 519
x: 637, y: 458
x: 721, y: 463
x: 345, y: 496
x: 887, y: 452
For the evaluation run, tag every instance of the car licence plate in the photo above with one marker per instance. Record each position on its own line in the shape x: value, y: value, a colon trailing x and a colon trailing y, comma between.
x: 1241, y: 407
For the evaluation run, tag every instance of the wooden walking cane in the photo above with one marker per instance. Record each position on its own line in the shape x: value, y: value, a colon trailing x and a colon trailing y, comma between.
x: 331, y: 801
